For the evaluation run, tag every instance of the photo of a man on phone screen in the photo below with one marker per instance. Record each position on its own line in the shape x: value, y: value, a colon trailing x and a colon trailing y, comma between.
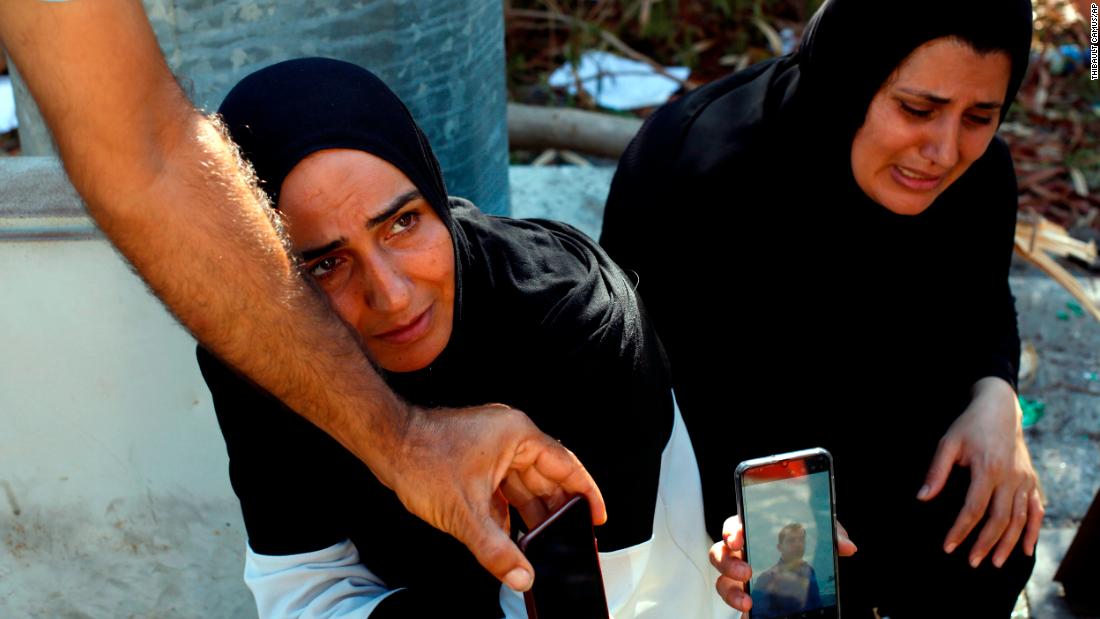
x: 789, y: 586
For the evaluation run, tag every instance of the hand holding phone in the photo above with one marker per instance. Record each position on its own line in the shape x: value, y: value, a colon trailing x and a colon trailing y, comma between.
x: 787, y: 515
x: 727, y: 556
x: 568, y: 581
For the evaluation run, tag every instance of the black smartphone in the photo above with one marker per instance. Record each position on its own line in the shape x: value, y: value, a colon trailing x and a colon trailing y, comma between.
x: 568, y: 582
x: 788, y: 513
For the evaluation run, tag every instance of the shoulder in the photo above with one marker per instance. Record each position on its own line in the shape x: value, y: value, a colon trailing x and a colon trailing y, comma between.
x: 721, y: 120
x: 545, y: 284
x: 539, y: 265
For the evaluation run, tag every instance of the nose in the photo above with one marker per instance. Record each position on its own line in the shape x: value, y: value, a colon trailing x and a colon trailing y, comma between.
x: 387, y: 287
x: 941, y: 142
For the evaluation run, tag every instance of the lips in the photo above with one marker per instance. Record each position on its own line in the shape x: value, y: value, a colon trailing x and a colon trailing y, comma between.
x: 408, y: 332
x: 912, y: 179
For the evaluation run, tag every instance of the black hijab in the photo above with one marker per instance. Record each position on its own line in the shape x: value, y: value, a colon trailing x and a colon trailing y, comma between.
x: 738, y: 202
x: 281, y: 114
x: 811, y: 103
x: 851, y: 47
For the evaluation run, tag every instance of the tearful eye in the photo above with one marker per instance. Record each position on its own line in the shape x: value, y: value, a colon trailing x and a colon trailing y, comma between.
x: 324, y: 267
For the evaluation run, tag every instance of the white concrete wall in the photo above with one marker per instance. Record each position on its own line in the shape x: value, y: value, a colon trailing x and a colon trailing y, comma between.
x: 114, y: 491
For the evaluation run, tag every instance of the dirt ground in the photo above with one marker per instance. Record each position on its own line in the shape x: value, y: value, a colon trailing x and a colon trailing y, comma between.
x: 1065, y: 441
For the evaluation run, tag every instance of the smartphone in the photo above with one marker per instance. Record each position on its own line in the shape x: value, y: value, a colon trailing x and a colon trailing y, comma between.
x: 788, y: 513
x: 568, y: 581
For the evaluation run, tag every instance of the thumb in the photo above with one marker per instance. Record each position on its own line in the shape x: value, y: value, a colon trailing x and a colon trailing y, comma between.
x: 496, y: 552
x: 946, y: 455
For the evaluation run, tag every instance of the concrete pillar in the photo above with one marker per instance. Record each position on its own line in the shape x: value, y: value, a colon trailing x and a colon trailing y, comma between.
x: 444, y: 58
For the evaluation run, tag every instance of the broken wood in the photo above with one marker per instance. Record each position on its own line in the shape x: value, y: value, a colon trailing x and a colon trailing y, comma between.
x: 1038, y: 240
x: 538, y: 128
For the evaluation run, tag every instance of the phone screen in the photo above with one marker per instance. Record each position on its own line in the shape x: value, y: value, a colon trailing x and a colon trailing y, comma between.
x: 568, y: 581
x: 788, y: 519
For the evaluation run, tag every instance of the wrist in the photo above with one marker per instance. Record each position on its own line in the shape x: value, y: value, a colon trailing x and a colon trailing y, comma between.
x: 389, y: 448
x: 992, y: 386
x: 1002, y: 396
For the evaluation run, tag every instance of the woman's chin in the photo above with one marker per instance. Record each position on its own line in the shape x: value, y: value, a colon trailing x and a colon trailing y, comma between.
x: 904, y: 202
x: 403, y: 363
x: 408, y: 358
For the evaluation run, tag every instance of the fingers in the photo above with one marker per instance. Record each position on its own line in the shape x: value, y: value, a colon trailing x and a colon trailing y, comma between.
x: 845, y: 547
x: 1034, y: 521
x: 498, y: 511
x: 977, y: 499
x: 492, y: 548
x: 1015, y: 527
x: 946, y: 455
x: 733, y: 594
x: 497, y: 455
x: 734, y: 573
x: 531, y: 507
x: 557, y: 464
x: 728, y: 563
x: 999, y: 515
x: 733, y: 533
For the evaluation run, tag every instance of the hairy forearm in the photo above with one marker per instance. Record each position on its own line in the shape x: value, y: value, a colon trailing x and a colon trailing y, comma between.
x: 169, y: 192
x: 201, y: 236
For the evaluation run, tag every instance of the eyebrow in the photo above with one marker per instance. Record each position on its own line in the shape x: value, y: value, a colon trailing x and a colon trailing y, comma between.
x: 395, y: 205
x: 310, y: 254
x: 391, y: 209
x: 931, y: 98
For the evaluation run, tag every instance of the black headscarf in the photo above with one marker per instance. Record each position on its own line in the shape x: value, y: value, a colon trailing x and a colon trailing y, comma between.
x: 836, y: 318
x: 809, y: 104
x: 544, y: 322
x: 851, y: 47
x: 281, y: 114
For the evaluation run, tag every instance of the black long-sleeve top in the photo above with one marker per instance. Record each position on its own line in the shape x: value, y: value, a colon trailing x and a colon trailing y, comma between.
x: 795, y: 311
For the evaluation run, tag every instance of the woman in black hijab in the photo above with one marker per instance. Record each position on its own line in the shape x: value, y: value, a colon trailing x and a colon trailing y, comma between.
x: 823, y: 241
x: 457, y: 308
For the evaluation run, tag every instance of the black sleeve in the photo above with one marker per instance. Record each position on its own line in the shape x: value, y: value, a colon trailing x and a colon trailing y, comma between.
x: 999, y: 352
x: 277, y: 465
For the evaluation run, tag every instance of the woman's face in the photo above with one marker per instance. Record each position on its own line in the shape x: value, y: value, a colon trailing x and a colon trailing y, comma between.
x: 378, y: 250
x: 932, y: 119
